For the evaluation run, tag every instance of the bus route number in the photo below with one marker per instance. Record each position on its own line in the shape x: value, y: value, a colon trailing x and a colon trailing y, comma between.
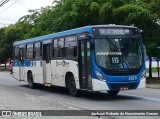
x: 115, y: 60
x: 33, y: 63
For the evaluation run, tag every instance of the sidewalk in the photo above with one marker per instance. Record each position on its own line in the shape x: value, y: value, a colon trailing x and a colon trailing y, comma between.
x: 155, y: 86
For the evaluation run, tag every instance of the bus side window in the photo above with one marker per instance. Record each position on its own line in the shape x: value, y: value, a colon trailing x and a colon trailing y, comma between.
x: 71, y: 46
x: 29, y: 52
x: 16, y: 53
x: 37, y: 53
x: 58, y: 47
x: 71, y: 51
x: 75, y: 52
x: 20, y: 54
x: 54, y: 48
x: 59, y: 52
x: 13, y: 56
x: 64, y: 52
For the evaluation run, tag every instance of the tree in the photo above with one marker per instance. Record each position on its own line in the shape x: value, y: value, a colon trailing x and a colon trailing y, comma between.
x: 2, y: 37
x: 68, y: 14
x: 8, y: 36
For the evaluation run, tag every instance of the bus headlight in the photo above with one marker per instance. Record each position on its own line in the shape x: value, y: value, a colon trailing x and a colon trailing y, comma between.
x: 100, y: 77
x: 143, y: 75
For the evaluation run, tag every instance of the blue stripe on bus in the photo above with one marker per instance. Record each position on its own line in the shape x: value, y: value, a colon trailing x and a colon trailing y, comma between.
x: 25, y: 63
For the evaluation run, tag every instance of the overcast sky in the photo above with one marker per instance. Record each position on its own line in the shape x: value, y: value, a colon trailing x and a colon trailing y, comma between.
x: 15, y: 9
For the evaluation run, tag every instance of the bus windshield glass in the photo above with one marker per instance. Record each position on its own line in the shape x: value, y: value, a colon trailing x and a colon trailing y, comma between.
x: 118, y: 53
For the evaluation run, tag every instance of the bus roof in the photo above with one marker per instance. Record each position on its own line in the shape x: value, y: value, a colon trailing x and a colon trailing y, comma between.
x: 67, y: 32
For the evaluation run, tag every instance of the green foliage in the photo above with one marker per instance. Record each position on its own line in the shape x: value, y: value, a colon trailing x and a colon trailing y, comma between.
x: 68, y: 14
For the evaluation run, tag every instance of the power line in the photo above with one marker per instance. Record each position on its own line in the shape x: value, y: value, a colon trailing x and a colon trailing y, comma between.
x: 1, y: 1
x: 9, y: 6
x: 4, y: 2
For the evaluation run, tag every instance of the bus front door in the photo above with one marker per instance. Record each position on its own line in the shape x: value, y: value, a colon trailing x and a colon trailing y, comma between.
x: 85, y: 65
x: 21, y: 64
x: 47, y: 64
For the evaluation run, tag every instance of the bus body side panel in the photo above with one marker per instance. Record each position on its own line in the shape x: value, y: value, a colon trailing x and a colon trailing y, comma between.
x: 34, y: 66
x: 16, y: 73
x: 61, y: 67
x: 36, y: 69
x: 18, y: 70
x: 47, y: 73
x: 47, y: 68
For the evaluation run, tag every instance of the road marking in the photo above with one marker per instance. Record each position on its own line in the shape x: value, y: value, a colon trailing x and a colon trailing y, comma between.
x: 142, y: 97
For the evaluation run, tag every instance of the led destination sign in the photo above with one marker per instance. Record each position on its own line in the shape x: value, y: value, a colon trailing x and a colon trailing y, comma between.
x: 113, y: 31
x: 116, y: 31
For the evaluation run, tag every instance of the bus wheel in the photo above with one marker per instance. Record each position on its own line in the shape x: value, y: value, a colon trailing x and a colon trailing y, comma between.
x: 72, y: 87
x: 113, y: 92
x: 30, y: 81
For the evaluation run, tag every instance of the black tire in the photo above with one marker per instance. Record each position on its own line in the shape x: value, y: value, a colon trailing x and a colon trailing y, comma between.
x: 30, y: 81
x: 113, y: 92
x: 72, y: 87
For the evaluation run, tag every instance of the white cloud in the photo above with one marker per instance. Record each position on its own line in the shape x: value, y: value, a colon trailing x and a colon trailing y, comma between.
x: 19, y: 8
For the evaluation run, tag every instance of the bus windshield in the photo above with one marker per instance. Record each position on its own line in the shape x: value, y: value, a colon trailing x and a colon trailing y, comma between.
x: 118, y: 53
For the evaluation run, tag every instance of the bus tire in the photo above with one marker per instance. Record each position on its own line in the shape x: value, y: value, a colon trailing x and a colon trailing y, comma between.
x: 72, y: 87
x: 30, y: 81
x: 113, y: 92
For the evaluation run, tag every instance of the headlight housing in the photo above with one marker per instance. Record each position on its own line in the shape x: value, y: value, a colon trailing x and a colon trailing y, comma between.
x: 100, y: 77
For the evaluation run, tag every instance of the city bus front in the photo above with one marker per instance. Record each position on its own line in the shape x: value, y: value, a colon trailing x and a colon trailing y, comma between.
x: 118, y: 59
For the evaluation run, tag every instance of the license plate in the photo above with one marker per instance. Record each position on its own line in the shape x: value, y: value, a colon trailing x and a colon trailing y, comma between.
x: 124, y: 88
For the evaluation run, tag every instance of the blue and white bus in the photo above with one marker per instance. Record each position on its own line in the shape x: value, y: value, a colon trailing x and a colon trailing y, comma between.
x: 94, y: 58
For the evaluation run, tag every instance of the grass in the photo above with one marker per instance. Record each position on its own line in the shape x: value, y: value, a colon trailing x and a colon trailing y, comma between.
x: 153, y: 70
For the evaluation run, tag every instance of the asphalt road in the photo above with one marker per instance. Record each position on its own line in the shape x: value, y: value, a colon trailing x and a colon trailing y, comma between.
x: 143, y: 99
